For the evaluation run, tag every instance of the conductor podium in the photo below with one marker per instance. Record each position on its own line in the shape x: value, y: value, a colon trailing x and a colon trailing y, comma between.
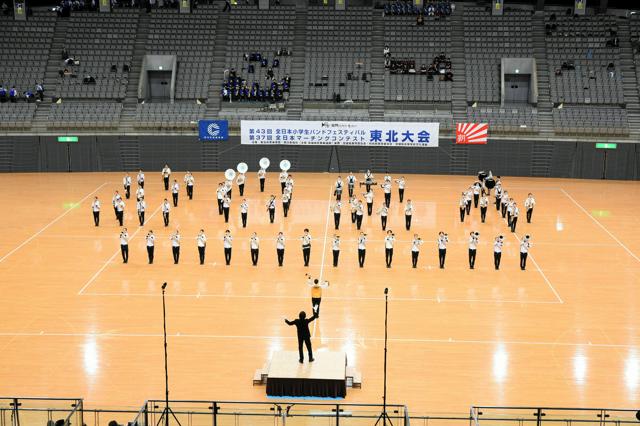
x: 326, y: 377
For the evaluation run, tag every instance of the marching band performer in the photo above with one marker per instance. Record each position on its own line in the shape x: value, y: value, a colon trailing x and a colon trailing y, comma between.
x: 359, y: 214
x: 514, y: 216
x: 497, y: 251
x: 383, y: 212
x: 386, y: 187
x: 283, y: 180
x: 280, y: 248
x: 306, y: 247
x: 120, y: 210
x: 141, y: 206
x: 335, y: 248
x: 220, y: 192
x: 254, y: 244
x: 289, y: 185
x: 529, y: 203
x: 338, y: 188
x: 227, y: 239
x: 473, y: 246
x: 498, y: 196
x: 271, y: 208
x: 126, y: 183
x: 468, y: 196
x: 351, y: 183
x: 525, y: 245
x: 286, y: 201
x: 166, y: 174
x: 166, y: 208
x: 240, y: 182
x: 389, y: 241
x: 95, y: 209
x: 353, y: 203
x: 175, y: 191
x: 202, y: 245
x: 400, y: 183
x: 114, y: 201
x: 124, y: 245
x: 484, y: 203
x: 139, y: 193
x: 337, y: 207
x: 408, y: 214
x: 140, y: 178
x: 175, y: 246
x: 151, y: 242
x: 244, y: 210
x: 262, y: 175
x: 463, y: 206
x: 368, y: 180
x: 228, y: 187
x: 443, y: 239
x: 368, y: 196
x: 504, y: 200
x: 415, y: 250
x: 226, y: 206
x: 477, y: 187
x: 189, y: 180
x: 362, y: 248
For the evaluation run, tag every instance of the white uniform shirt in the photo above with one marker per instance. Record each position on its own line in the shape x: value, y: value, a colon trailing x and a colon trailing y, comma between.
x: 286, y: 196
x: 510, y: 207
x: 525, y: 245
x: 151, y: 240
x: 515, y: 212
x: 383, y: 210
x: 415, y: 245
x: 388, y: 241
x: 271, y: 204
x: 141, y: 205
x: 166, y: 207
x: 408, y: 209
x: 140, y: 177
x: 255, y: 243
x: 473, y: 242
x: 387, y: 178
x: 244, y: 208
x: 505, y: 198
x: 283, y: 177
x: 140, y: 192
x: 124, y: 238
x: 226, y: 202
x: 484, y: 202
x: 226, y: 241
x: 202, y: 240
x: 463, y: 202
x: 175, y: 240
x: 262, y: 173
x: 497, y: 245
x: 120, y: 205
x: 336, y: 244
x: 529, y: 203
x: 476, y: 189
x: 468, y: 196
x: 126, y: 181
x: 220, y: 192
x: 115, y: 199
x: 362, y: 242
x: 337, y: 207
x: 95, y: 206
x: 369, y: 197
x: 339, y: 185
x: 442, y: 242
x: 280, y: 242
x: 189, y: 180
x: 306, y: 240
x: 240, y: 179
x: 351, y: 180
x: 166, y: 172
x: 290, y: 184
x: 175, y: 188
x: 386, y: 187
x: 360, y: 209
x: 227, y: 186
x: 400, y: 183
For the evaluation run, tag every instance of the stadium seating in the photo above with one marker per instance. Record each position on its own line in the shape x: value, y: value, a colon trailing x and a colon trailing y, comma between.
x: 422, y: 43
x: 16, y: 116
x: 444, y: 118
x: 338, y: 54
x: 84, y: 115
x: 166, y: 116
x: 589, y: 120
x: 488, y: 39
x: 508, y: 119
x: 99, y: 42
x: 190, y: 37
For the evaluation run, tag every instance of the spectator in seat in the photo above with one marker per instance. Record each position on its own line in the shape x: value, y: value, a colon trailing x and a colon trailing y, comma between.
x: 13, y: 94
x: 423, y: 69
x: 270, y: 73
x: 276, y: 63
x: 40, y: 91
x: 387, y: 52
x: 287, y: 80
x: 251, y: 69
x: 28, y: 96
x: 264, y: 63
x: 3, y: 94
x: 420, y: 20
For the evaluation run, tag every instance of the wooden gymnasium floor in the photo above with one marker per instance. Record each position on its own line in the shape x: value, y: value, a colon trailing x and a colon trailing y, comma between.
x: 76, y: 322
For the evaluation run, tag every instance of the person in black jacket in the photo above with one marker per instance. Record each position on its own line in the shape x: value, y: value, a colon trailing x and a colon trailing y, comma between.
x: 304, y: 336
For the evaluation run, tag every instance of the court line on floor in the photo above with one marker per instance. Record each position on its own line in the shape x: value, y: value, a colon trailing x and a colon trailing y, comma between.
x: 288, y: 337
x: 104, y: 266
x: 338, y: 298
x: 326, y: 230
x: 544, y: 276
x: 599, y: 224
x: 63, y: 214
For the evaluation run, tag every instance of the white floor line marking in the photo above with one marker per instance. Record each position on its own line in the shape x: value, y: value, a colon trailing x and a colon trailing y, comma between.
x: 63, y: 214
x: 533, y: 260
x: 338, y: 298
x: 289, y: 337
x: 600, y: 225
x: 326, y: 230
x: 93, y: 278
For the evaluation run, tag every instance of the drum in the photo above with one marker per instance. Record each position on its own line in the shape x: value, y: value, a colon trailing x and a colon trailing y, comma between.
x: 229, y: 174
x: 242, y: 168
x: 264, y: 163
x: 285, y: 165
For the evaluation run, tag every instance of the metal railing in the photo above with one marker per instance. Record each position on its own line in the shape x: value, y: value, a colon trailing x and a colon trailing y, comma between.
x: 552, y: 416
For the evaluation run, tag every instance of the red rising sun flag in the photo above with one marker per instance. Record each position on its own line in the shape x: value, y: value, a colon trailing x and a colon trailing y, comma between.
x: 472, y: 133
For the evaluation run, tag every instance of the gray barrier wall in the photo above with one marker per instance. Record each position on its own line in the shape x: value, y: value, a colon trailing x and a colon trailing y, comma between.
x: 509, y: 158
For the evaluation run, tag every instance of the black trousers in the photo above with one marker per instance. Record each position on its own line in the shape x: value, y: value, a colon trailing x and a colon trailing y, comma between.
x: 529, y: 214
x: 508, y: 219
x: 503, y: 207
x: 496, y: 259
x: 359, y: 221
x: 96, y: 218
x: 225, y: 211
x: 175, y: 199
x: 388, y: 256
x: 414, y: 258
x: 498, y: 203
x: 336, y: 255
x: 280, y: 253
x: 227, y: 255
x: 272, y: 215
x: 201, y: 254
x: 124, y: 249
x: 254, y: 256
x: 387, y: 198
x: 120, y: 217
x: 369, y: 209
x: 229, y: 193
x: 166, y: 183
x: 476, y: 198
x: 401, y: 194
x: 262, y: 185
x: 315, y: 304
x: 350, y: 187
x: 483, y: 214
x: 282, y: 186
x: 176, y: 254
x: 165, y: 216
x: 383, y: 220
x: 339, y: 195
x: 468, y: 207
x: 407, y: 221
x: 241, y: 189
x: 353, y: 217
x: 307, y: 342
x: 141, y: 184
x: 150, y: 250
x: 219, y: 206
x: 243, y: 216
x: 190, y: 191
x: 442, y: 255
x: 472, y: 258
x: 462, y: 210
x: 285, y: 208
x: 141, y: 218
x: 523, y: 260
x: 336, y: 220
x: 514, y: 221
x: 306, y: 254
x: 127, y: 191
x: 367, y: 186
x: 361, y: 255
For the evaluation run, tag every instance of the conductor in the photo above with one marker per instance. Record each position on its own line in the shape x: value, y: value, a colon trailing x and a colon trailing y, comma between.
x: 302, y: 324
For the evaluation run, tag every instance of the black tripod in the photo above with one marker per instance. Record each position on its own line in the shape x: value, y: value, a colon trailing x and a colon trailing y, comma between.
x: 384, y: 416
x: 167, y: 410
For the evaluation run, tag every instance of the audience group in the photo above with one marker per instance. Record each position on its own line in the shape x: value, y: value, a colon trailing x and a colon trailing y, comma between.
x: 441, y: 66
x: 431, y: 8
x: 237, y: 88
x: 12, y: 95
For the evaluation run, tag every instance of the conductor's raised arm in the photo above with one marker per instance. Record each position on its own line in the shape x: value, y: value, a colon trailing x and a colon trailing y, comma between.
x: 313, y: 317
x: 288, y: 322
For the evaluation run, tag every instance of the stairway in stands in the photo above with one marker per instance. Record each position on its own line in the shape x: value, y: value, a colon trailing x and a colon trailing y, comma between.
x: 379, y: 158
x: 51, y: 77
x: 541, y: 158
x: 545, y: 106
x: 218, y: 66
x: 459, y: 159
x: 129, y: 152
x: 458, y: 88
x: 629, y: 79
x: 298, y: 50
x: 6, y: 154
x: 209, y: 156
x: 376, y: 86
x: 130, y: 102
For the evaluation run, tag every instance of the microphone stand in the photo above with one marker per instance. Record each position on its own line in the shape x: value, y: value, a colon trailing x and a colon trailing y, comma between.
x: 167, y: 410
x: 384, y: 416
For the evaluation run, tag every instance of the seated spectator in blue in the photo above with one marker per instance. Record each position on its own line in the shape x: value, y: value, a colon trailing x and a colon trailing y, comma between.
x: 3, y: 94
x: 270, y: 73
x: 276, y: 63
x: 258, y: 57
x: 264, y: 62
x: 28, y: 96
x: 287, y: 79
x: 13, y: 94
x: 251, y: 69
x: 40, y: 91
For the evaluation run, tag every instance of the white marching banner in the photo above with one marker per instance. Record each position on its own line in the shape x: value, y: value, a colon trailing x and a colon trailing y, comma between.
x: 354, y: 133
